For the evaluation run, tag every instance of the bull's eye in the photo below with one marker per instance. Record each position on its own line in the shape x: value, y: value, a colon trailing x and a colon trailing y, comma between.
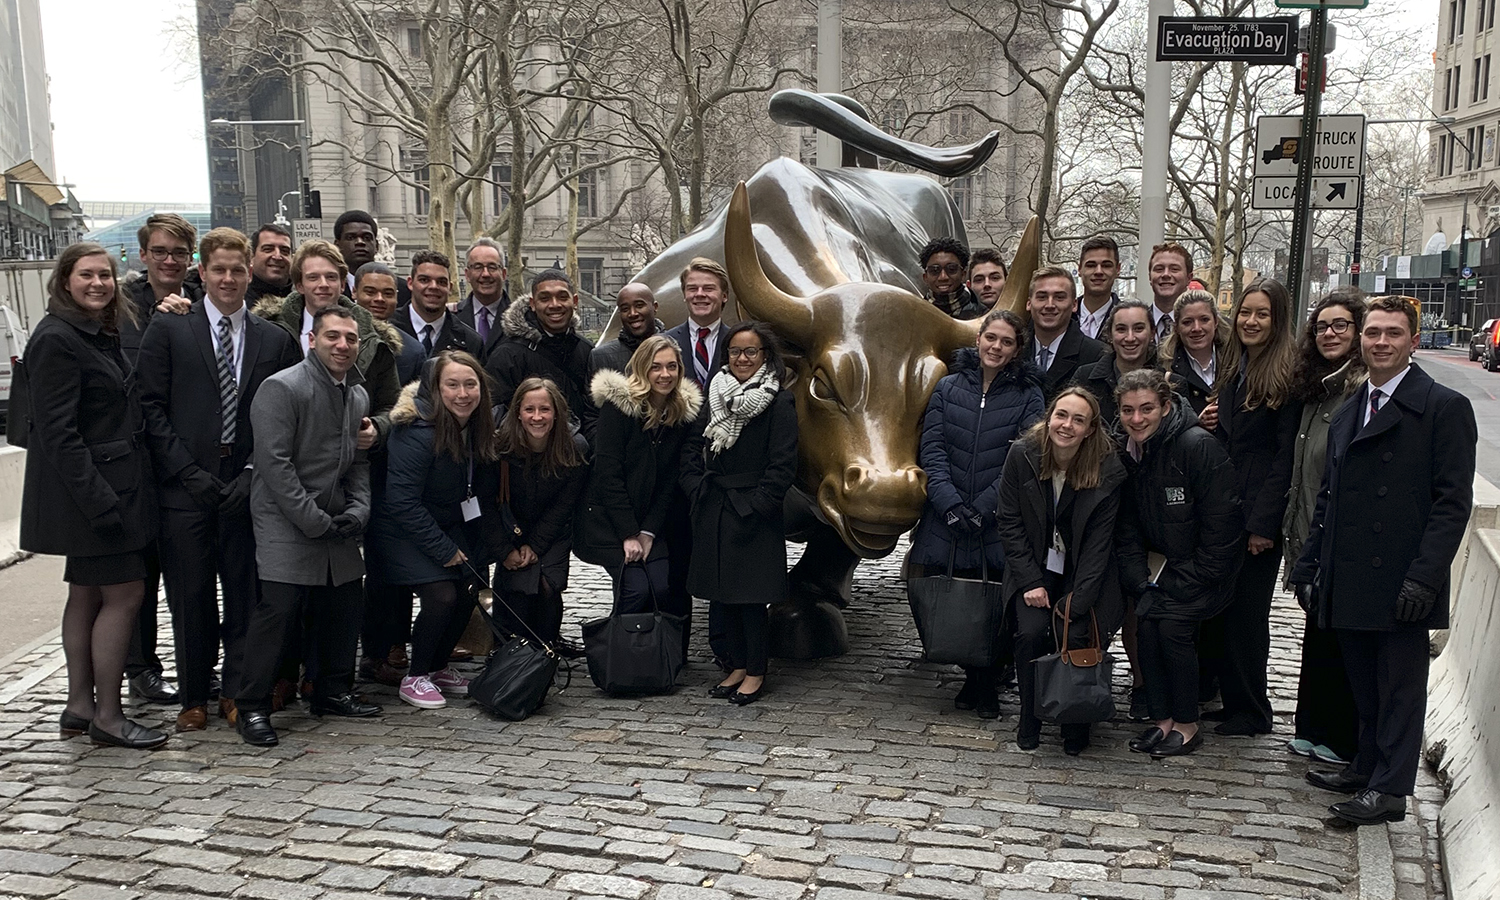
x: 821, y: 390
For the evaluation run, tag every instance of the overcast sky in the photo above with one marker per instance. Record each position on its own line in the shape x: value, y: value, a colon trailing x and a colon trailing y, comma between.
x: 127, y: 107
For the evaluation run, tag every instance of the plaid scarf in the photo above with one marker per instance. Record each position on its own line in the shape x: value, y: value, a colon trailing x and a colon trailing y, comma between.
x: 731, y: 404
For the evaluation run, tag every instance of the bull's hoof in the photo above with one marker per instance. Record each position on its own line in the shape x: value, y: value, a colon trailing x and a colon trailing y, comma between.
x: 807, y: 629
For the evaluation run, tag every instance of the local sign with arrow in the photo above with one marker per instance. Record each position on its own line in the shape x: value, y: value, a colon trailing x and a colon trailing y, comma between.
x: 1337, y: 157
x: 1329, y: 192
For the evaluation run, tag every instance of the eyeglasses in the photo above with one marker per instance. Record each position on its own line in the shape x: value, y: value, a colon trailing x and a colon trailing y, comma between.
x: 949, y: 269
x: 486, y: 268
x: 1338, y: 326
x: 746, y: 352
x: 161, y: 253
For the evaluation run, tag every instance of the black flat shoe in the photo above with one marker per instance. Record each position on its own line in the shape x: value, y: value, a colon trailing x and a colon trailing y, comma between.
x: 255, y: 729
x: 742, y: 699
x: 967, y: 697
x: 988, y: 705
x: 132, y: 737
x: 1344, y: 781
x: 346, y: 705
x: 69, y: 725
x: 1074, y: 746
x: 1174, y: 745
x: 724, y: 691
x: 1148, y: 740
x: 1371, y: 808
x: 1027, y: 739
x: 150, y: 687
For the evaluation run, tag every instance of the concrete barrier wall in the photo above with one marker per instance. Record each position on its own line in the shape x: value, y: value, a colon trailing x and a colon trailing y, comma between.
x: 1462, y: 738
x: 12, y: 476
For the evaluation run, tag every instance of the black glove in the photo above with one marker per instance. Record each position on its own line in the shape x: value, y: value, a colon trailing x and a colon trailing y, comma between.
x: 108, y: 525
x: 1306, y: 597
x: 1415, y: 602
x: 201, y: 486
x: 347, y: 525
x: 963, y: 519
x: 1150, y: 598
x: 236, y: 495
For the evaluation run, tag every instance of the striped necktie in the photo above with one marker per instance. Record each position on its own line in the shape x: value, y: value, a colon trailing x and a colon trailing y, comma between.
x: 700, y: 359
x: 229, y: 392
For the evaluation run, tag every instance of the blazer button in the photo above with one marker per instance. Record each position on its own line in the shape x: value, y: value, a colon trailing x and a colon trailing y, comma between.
x: 1386, y: 456
x: 1377, y: 526
x: 1375, y: 563
x: 1380, y: 492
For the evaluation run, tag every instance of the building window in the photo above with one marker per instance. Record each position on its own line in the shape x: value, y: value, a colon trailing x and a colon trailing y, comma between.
x: 591, y: 275
x: 500, y: 188
x: 1474, y: 139
x: 1484, y: 81
x: 373, y: 206
x: 1457, y: 85
x: 414, y: 42
x: 1463, y: 13
x: 588, y: 187
x: 422, y: 175
x: 1452, y: 19
x: 894, y: 119
x: 962, y: 190
x: 807, y: 147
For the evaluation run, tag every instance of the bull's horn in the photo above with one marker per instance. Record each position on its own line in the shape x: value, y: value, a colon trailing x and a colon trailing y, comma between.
x: 1018, y: 282
x: 789, y: 316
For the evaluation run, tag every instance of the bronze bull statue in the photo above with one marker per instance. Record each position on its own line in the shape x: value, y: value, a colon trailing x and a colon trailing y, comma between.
x: 829, y: 259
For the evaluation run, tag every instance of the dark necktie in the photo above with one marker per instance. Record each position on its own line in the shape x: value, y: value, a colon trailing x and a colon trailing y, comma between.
x: 1375, y: 398
x: 1163, y: 327
x: 229, y: 392
x: 700, y: 359
x: 344, y: 393
x: 427, y: 338
x: 482, y: 324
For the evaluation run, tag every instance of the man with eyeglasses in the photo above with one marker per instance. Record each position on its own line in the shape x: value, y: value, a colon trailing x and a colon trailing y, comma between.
x: 484, y: 267
x: 945, y: 261
x: 271, y: 263
x: 425, y: 320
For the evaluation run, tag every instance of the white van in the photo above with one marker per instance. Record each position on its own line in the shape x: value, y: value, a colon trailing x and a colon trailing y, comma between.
x: 12, y: 345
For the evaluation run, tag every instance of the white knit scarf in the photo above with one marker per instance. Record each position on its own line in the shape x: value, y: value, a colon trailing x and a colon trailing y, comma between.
x: 732, y: 403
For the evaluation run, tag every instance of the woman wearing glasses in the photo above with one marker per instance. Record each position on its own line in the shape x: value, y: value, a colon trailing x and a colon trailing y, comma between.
x: 737, y: 474
x: 1329, y: 370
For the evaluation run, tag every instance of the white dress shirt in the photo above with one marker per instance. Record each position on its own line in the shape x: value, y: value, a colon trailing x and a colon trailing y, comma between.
x: 307, y: 327
x: 236, y: 334
x: 418, y: 323
x: 1386, y: 390
x: 1037, y: 347
x: 1206, y: 372
x: 1091, y: 322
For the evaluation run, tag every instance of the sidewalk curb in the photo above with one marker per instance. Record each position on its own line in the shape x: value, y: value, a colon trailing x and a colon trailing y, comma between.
x: 1377, y: 865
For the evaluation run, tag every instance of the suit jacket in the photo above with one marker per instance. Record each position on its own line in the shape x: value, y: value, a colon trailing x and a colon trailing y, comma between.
x: 686, y: 336
x: 306, y: 472
x: 1109, y: 307
x: 1076, y: 351
x: 465, y: 314
x: 1395, y: 503
x: 454, y: 335
x: 144, y: 299
x: 178, y: 371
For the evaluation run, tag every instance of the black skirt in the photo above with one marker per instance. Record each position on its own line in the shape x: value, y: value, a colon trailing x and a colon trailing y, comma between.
x: 116, y: 568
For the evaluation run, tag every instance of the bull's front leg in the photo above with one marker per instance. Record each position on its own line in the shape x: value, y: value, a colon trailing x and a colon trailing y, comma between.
x: 809, y: 624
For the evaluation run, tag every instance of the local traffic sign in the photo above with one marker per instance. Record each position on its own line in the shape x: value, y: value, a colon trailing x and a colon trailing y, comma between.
x: 1280, y: 192
x: 1338, y: 145
x: 1270, y: 41
x: 304, y: 230
x: 1327, y: 4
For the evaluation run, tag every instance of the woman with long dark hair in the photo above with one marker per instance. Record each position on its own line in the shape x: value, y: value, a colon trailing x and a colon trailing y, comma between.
x: 1179, y: 542
x: 737, y: 477
x: 440, y: 487
x: 1257, y: 423
x: 1132, y: 345
x: 1059, y: 493
x: 1195, y: 350
x: 991, y: 394
x: 89, y: 493
x: 1329, y: 370
x: 542, y: 463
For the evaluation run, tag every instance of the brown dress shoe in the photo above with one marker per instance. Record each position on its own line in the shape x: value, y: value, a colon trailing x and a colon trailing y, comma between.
x: 283, y: 691
x: 398, y: 658
x: 194, y: 718
x: 228, y: 711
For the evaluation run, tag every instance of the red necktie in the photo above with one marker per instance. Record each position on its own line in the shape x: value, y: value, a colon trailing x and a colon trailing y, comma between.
x: 700, y: 359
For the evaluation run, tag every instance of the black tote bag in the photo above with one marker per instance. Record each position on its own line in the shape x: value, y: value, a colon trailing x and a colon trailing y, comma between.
x: 518, y: 673
x: 638, y: 652
x: 958, y: 619
x: 1072, y: 686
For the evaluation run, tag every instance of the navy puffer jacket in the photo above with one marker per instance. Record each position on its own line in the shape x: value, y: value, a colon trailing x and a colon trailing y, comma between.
x: 965, y: 437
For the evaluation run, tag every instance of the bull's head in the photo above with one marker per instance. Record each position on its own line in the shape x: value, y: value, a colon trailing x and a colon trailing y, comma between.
x: 867, y: 357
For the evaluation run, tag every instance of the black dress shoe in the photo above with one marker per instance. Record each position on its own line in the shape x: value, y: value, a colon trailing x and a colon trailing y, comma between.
x: 347, y: 705
x: 69, y: 725
x: 1074, y: 746
x: 1148, y: 740
x: 987, y: 705
x: 1344, y: 781
x: 255, y: 728
x: 1174, y: 745
x: 1029, y: 734
x: 131, y: 737
x: 724, y: 691
x: 150, y: 687
x: 1371, y: 808
x: 739, y: 698
x: 1242, y: 725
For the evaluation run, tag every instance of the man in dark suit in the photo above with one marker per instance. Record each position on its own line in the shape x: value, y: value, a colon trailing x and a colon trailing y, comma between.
x: 1396, y: 498
x: 1098, y: 267
x: 1056, y: 344
x: 705, y: 289
x: 375, y: 290
x: 426, y: 318
x: 484, y: 267
x: 198, y: 374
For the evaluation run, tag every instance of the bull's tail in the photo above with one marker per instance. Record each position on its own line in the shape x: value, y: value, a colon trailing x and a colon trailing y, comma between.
x: 847, y: 119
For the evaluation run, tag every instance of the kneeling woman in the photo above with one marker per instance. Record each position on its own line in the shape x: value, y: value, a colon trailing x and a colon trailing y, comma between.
x: 737, y: 478
x: 1179, y: 546
x: 541, y: 463
x: 1059, y: 494
x: 440, y: 486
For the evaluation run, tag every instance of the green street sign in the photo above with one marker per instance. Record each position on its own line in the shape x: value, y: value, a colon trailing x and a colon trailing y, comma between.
x: 1326, y: 4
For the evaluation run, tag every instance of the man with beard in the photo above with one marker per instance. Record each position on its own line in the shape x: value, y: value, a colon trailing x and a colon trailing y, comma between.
x: 636, y: 307
x: 542, y: 340
x: 484, y: 267
x: 1098, y: 267
x: 944, y: 264
x: 271, y: 266
x: 425, y: 320
x: 1057, y: 345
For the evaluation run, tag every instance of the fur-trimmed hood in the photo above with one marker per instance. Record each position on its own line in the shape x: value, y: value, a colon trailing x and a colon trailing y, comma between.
x: 287, y: 312
x: 518, y: 322
x: 414, y: 404
x: 609, y: 386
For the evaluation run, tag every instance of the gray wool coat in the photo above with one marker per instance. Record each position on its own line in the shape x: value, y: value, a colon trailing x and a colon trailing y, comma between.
x: 306, y: 472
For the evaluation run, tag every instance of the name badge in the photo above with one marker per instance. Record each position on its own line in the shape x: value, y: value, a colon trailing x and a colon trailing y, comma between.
x: 470, y: 508
x: 1055, y: 559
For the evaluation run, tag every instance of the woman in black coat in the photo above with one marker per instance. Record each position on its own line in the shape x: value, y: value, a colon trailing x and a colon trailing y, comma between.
x: 1132, y: 345
x: 1257, y: 422
x: 1059, y: 495
x: 645, y: 417
x: 1196, y: 350
x: 989, y: 397
x: 737, y: 476
x: 89, y: 493
x: 440, y: 488
x: 1179, y: 543
x: 542, y: 468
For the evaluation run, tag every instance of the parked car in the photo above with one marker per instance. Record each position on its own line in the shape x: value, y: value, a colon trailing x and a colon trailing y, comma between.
x: 1482, y: 345
x: 12, y: 345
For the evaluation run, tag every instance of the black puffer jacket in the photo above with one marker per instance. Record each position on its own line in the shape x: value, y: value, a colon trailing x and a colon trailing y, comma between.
x: 1181, y: 502
x: 527, y: 352
x: 616, y: 354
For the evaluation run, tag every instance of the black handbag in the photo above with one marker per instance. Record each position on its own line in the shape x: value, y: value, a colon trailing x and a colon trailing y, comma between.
x: 1072, y: 686
x: 518, y: 673
x: 958, y: 619
x: 635, y: 653
x: 18, y: 414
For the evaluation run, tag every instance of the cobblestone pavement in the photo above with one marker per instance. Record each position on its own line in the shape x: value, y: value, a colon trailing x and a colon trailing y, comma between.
x: 854, y: 778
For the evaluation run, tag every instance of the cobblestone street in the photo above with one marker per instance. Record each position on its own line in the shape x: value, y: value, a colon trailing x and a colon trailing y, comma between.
x: 854, y: 777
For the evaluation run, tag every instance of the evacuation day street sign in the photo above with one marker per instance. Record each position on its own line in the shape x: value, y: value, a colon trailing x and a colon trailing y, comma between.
x: 1271, y: 42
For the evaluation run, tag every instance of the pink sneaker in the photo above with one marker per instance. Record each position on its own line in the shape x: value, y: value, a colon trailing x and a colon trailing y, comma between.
x: 449, y: 681
x: 419, y: 691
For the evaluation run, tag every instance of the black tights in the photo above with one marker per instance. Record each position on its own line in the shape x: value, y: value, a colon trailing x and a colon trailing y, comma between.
x: 97, y: 625
x: 444, y: 615
x: 541, y: 612
x: 1169, y: 658
x: 747, y: 629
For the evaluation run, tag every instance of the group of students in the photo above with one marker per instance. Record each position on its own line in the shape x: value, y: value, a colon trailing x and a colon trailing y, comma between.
x: 1162, y: 479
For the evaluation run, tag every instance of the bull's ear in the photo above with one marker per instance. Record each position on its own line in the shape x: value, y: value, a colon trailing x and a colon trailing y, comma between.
x: 788, y: 316
x: 1018, y: 281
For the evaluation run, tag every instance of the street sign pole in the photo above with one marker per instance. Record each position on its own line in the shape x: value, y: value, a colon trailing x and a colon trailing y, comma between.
x: 1298, y: 268
x: 1359, y: 235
